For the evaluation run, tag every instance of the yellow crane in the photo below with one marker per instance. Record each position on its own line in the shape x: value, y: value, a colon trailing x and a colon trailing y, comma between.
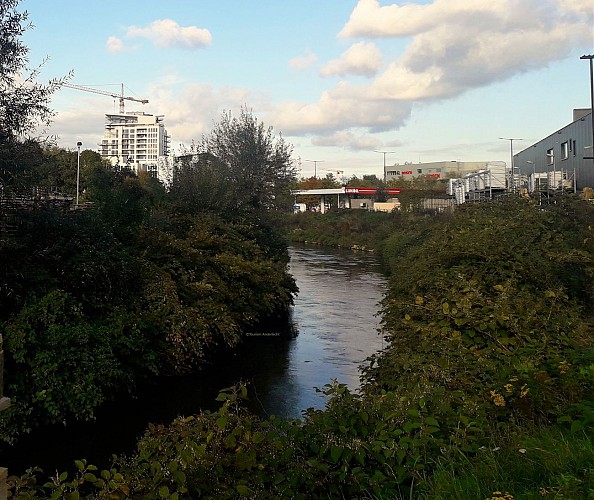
x: 120, y: 96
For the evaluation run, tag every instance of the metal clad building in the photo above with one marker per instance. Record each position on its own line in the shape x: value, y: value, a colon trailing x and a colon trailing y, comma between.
x: 563, y: 150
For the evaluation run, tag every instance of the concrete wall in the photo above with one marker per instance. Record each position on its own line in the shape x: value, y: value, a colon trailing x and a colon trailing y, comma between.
x: 388, y: 206
x: 361, y: 203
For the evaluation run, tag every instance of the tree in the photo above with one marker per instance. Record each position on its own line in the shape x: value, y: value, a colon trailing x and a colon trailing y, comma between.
x: 200, y: 183
x: 24, y: 103
x: 370, y: 180
x: 259, y: 168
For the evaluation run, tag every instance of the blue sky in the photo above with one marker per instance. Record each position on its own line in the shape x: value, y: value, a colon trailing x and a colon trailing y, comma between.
x: 340, y: 79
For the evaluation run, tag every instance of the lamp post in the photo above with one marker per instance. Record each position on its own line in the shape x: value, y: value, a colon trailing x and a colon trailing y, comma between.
x: 315, y: 162
x: 530, y: 162
x: 511, y: 154
x: 590, y: 57
x: 552, y: 157
x: 78, y: 145
x: 384, y: 153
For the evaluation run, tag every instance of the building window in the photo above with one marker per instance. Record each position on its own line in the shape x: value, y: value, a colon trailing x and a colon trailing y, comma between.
x: 564, y: 150
x: 574, y: 151
x: 550, y: 156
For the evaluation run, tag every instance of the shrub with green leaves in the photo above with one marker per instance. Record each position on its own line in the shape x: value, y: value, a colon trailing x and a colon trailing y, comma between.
x: 485, y: 311
x: 98, y: 299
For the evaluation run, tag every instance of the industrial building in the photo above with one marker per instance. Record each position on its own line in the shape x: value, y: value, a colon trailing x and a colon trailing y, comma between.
x: 138, y: 141
x: 434, y: 170
x: 562, y: 160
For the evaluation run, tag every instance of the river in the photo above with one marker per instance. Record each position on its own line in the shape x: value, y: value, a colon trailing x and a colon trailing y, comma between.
x: 335, y: 316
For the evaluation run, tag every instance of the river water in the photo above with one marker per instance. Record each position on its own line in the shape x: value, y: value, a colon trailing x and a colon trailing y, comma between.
x: 335, y: 316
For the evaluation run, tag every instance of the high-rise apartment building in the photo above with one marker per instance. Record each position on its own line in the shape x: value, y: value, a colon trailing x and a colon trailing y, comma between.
x: 139, y: 141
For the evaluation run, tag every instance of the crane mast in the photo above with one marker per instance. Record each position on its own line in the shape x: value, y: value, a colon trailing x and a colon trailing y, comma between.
x: 120, y: 96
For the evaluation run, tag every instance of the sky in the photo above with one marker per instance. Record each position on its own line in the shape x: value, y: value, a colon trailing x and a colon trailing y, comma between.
x: 348, y: 83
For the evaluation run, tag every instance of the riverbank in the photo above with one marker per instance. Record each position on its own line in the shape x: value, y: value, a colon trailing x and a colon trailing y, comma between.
x: 486, y: 369
x: 358, y: 230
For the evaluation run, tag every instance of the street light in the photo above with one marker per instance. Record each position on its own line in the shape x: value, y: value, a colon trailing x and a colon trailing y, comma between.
x: 315, y: 162
x: 384, y: 153
x: 78, y: 145
x: 530, y: 162
x: 551, y: 155
x: 511, y: 153
x: 590, y: 57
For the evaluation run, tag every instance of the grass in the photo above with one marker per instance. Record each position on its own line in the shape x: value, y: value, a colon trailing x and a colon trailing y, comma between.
x: 544, y: 464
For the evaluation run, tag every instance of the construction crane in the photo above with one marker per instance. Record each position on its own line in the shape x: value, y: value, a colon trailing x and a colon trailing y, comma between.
x: 120, y: 96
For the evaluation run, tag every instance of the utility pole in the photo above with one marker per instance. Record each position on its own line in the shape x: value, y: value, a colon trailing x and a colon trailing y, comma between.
x: 511, y: 154
x: 315, y: 162
x: 78, y: 145
x: 590, y: 57
x: 384, y: 153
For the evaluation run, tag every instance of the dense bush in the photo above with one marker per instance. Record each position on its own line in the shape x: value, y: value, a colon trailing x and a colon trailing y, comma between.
x: 342, y: 228
x: 485, y: 313
x: 96, y: 300
x: 208, y: 281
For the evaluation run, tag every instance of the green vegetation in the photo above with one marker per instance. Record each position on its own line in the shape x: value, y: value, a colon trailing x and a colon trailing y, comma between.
x: 485, y: 388
x: 98, y: 299
x: 342, y: 228
x: 141, y: 282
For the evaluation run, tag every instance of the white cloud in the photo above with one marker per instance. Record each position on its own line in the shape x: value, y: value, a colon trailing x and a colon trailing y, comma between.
x: 581, y: 6
x: 341, y: 108
x: 362, y: 58
x: 79, y: 123
x: 190, y: 110
x: 457, y: 45
x: 304, y: 61
x: 168, y: 33
x: 394, y: 143
x: 191, y: 113
x: 114, y: 45
x: 369, y: 19
x: 347, y: 140
x: 452, y: 46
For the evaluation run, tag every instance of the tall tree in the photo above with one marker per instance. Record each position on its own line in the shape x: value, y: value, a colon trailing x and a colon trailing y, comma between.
x: 259, y: 165
x: 24, y: 103
x: 200, y: 183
